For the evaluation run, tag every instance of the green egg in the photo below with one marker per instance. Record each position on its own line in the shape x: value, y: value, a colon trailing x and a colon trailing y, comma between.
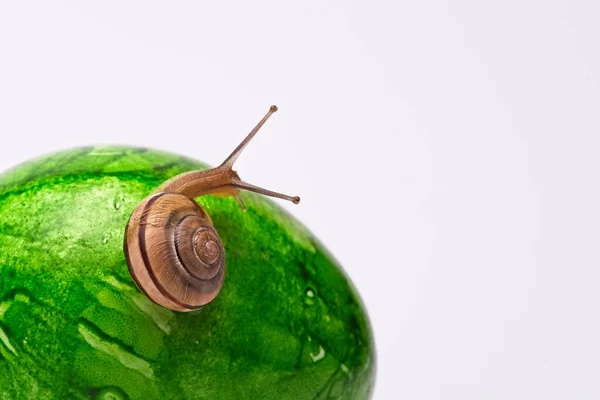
x: 287, y: 323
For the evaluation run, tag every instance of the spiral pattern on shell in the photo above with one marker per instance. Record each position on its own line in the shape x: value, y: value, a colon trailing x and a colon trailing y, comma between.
x: 174, y: 253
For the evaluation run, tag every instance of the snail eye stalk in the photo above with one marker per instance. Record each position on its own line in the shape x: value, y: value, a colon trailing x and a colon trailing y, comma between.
x: 223, y: 180
x: 228, y: 163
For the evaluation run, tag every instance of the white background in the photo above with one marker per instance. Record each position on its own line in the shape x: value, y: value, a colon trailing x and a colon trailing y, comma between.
x: 446, y: 152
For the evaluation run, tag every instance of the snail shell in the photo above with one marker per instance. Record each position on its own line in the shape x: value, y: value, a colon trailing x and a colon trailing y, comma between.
x: 174, y: 253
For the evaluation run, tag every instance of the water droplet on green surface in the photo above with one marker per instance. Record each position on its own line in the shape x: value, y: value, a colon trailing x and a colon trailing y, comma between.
x: 105, y: 239
x: 319, y: 355
x: 117, y: 204
x: 313, y: 352
x: 111, y: 393
x: 310, y: 294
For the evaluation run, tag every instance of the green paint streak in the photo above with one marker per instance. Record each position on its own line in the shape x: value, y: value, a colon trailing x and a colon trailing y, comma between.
x: 128, y: 360
x: 111, y: 280
x: 4, y: 307
x: 287, y: 324
x: 4, y: 339
x: 160, y: 315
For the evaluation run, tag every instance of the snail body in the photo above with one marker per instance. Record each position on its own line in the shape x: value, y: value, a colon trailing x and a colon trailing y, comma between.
x: 174, y: 253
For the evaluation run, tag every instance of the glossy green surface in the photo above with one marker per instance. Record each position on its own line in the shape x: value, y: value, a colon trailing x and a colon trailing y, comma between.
x: 287, y: 324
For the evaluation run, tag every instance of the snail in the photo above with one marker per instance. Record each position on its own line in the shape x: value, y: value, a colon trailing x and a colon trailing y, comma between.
x: 173, y: 251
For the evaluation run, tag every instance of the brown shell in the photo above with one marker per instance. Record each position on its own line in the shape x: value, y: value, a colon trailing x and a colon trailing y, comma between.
x: 174, y: 253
